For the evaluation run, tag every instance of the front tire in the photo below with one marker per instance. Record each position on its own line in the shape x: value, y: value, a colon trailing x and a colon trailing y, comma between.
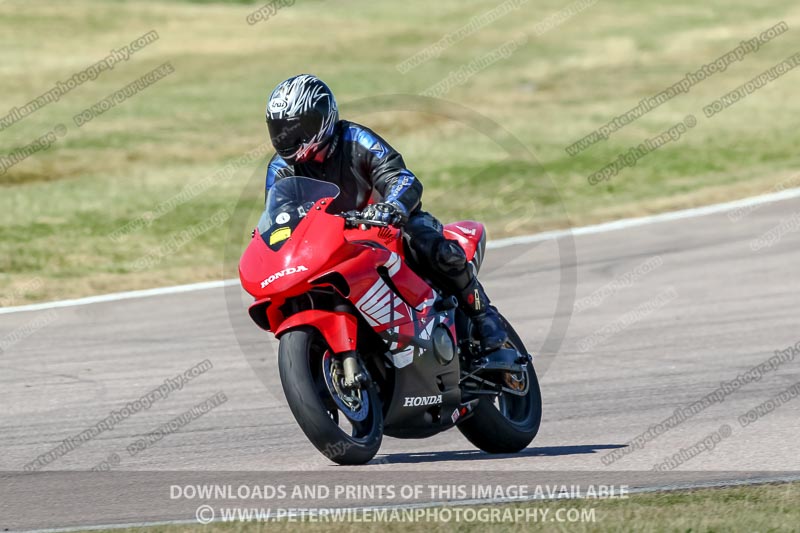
x: 507, y: 423
x: 302, y: 364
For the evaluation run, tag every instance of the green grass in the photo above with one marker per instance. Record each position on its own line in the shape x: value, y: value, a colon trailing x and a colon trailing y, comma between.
x: 768, y: 508
x: 58, y: 206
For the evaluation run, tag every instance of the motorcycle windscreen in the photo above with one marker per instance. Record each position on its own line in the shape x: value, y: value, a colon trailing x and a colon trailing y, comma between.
x: 288, y: 202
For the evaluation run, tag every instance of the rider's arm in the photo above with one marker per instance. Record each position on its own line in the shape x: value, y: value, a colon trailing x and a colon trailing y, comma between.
x: 385, y: 169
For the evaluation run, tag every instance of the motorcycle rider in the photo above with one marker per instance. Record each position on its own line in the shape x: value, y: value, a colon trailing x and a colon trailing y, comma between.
x: 311, y: 141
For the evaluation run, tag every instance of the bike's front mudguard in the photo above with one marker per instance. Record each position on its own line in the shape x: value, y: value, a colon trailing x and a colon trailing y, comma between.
x: 338, y: 329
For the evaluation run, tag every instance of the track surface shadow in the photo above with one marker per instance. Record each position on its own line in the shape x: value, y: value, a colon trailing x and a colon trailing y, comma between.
x: 477, y: 455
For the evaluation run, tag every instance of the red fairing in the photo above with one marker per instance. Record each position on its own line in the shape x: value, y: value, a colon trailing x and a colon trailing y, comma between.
x: 265, y: 273
x: 339, y: 329
x: 364, y: 266
x: 374, y: 294
x: 468, y: 234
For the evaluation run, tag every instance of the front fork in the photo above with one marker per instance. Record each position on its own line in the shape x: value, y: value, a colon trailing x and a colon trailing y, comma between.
x: 354, y: 375
x: 347, y: 382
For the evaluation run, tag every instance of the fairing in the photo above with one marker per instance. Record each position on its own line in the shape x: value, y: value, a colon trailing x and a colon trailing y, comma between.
x: 377, y: 289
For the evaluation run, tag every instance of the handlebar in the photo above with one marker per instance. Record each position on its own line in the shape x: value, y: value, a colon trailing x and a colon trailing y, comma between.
x: 354, y: 219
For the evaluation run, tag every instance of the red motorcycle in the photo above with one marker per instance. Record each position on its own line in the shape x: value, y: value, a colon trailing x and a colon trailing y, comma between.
x: 367, y: 347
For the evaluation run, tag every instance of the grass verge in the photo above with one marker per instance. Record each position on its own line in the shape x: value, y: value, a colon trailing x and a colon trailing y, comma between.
x: 748, y: 508
x: 572, y: 73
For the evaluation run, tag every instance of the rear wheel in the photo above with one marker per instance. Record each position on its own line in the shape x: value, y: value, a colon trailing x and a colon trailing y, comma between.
x: 507, y: 423
x: 345, y: 425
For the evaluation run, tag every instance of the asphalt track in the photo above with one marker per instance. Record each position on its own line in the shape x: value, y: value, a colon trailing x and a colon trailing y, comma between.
x: 638, y: 322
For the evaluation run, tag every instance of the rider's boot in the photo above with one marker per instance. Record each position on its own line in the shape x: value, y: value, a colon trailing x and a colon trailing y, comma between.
x: 489, y: 328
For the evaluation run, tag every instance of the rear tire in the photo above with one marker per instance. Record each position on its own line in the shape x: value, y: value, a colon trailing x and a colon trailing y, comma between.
x: 494, y: 432
x: 300, y: 362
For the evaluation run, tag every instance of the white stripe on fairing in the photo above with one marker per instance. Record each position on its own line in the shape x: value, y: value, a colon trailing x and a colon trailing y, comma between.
x: 500, y: 243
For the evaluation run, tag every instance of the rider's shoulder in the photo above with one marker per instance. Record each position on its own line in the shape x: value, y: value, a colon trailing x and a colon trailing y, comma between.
x: 358, y: 133
x: 277, y: 169
x: 277, y: 162
x: 363, y: 136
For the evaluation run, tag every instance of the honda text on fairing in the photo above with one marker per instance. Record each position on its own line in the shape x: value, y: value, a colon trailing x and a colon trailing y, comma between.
x: 367, y: 347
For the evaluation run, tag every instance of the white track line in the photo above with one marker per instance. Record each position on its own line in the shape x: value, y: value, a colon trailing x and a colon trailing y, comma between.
x: 458, y: 503
x: 651, y: 219
x: 500, y: 243
x: 119, y: 296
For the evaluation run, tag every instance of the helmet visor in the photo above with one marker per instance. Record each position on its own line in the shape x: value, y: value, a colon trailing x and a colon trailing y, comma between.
x: 288, y: 135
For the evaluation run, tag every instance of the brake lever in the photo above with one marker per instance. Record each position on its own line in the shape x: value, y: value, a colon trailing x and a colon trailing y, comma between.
x: 367, y: 222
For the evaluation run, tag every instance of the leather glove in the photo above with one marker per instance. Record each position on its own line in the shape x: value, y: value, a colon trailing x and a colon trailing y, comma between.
x: 387, y: 212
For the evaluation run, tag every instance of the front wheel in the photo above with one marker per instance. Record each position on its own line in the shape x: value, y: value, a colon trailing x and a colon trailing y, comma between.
x: 346, y: 426
x: 506, y: 423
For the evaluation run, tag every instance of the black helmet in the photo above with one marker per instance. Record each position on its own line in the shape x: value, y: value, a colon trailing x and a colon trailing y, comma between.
x: 301, y: 115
